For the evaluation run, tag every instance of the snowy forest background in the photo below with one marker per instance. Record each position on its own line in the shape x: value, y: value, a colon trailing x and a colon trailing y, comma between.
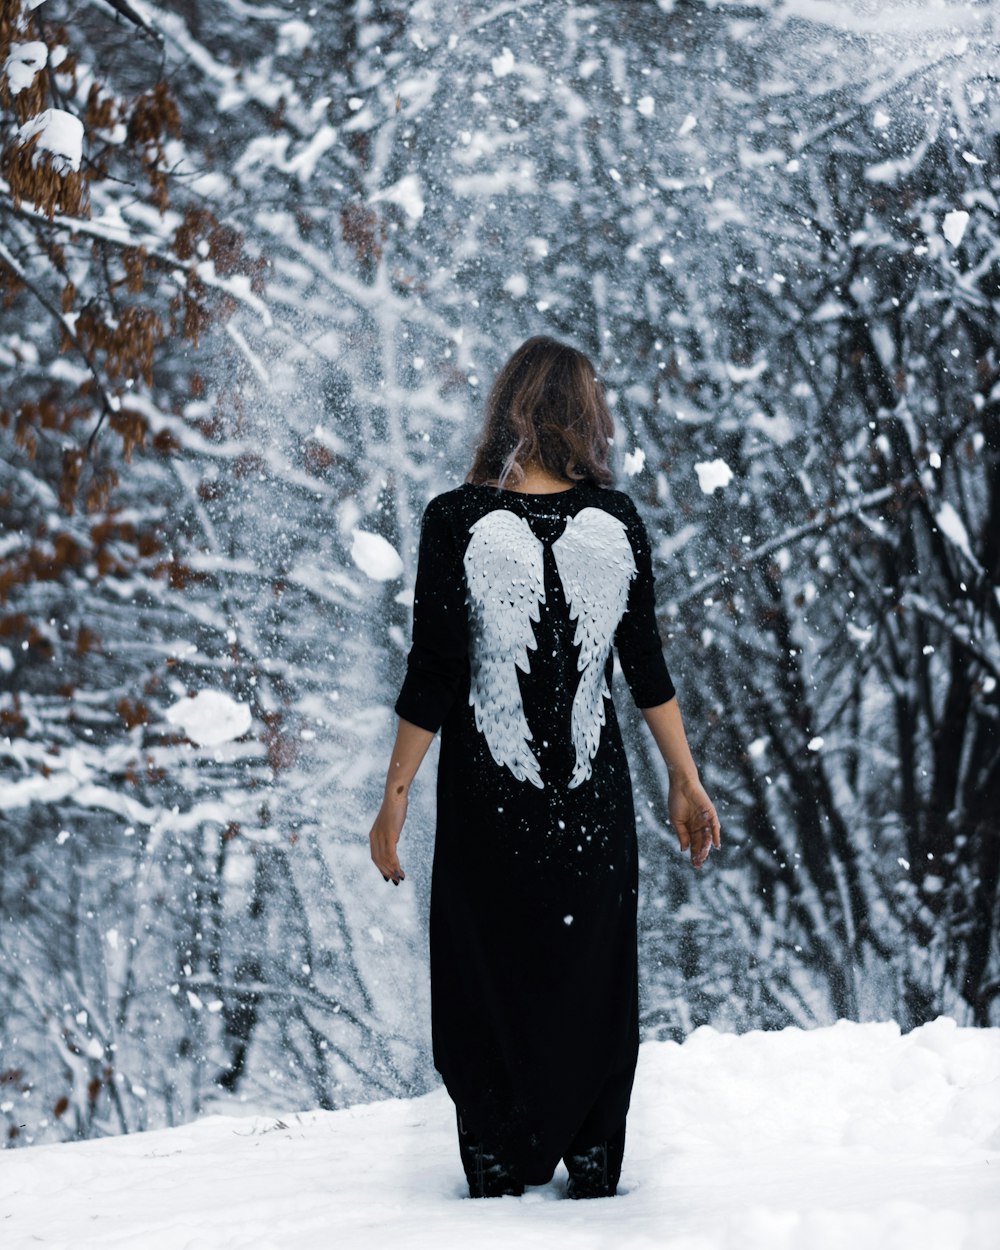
x: 257, y: 269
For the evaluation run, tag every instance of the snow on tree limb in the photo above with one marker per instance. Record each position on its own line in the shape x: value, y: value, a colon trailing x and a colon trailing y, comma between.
x: 829, y: 517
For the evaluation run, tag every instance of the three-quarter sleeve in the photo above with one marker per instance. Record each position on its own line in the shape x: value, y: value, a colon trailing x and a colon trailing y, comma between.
x: 637, y: 640
x: 438, y: 657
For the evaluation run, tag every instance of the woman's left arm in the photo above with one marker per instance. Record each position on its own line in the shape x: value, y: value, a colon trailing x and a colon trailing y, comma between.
x: 407, y: 755
x: 640, y: 652
x: 692, y: 812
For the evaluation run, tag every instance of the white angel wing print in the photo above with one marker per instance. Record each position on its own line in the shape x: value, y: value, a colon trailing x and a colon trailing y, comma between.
x: 596, y: 565
x: 506, y: 578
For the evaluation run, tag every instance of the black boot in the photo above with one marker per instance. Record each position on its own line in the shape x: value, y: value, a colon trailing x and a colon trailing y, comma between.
x: 595, y: 1171
x: 488, y: 1176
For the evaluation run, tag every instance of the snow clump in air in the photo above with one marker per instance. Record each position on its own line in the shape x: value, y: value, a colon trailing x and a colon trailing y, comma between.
x: 713, y: 474
x: 503, y: 64
x: 211, y: 717
x: 375, y: 556
x: 633, y: 461
x: 953, y: 227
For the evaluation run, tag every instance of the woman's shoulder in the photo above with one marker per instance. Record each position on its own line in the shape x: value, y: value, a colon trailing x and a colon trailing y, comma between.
x: 447, y: 512
x: 447, y: 502
x: 622, y: 506
x: 615, y: 500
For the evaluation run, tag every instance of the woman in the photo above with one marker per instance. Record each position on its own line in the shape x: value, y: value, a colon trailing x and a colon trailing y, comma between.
x: 527, y: 575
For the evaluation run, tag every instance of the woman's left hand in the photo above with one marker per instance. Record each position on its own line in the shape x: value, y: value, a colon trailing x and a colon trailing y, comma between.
x: 693, y: 815
x: 384, y: 838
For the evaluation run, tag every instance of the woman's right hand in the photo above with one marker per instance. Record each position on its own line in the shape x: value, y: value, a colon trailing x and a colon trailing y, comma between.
x: 693, y: 815
x: 384, y: 838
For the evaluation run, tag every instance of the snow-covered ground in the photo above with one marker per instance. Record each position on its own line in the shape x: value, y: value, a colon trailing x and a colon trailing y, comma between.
x: 841, y: 1138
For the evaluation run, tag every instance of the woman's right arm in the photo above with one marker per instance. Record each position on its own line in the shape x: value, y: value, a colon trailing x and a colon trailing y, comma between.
x: 435, y: 666
x: 407, y: 754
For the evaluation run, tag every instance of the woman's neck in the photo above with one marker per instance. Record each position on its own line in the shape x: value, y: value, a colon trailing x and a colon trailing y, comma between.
x: 539, y: 481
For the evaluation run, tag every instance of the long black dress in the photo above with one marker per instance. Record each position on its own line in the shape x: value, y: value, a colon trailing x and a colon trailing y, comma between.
x: 518, y: 601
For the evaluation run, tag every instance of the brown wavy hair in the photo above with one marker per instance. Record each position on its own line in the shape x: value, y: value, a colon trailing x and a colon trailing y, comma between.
x: 545, y: 407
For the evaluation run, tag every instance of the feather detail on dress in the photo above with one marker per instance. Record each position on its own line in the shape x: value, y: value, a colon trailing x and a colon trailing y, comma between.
x: 596, y: 565
x: 504, y: 567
